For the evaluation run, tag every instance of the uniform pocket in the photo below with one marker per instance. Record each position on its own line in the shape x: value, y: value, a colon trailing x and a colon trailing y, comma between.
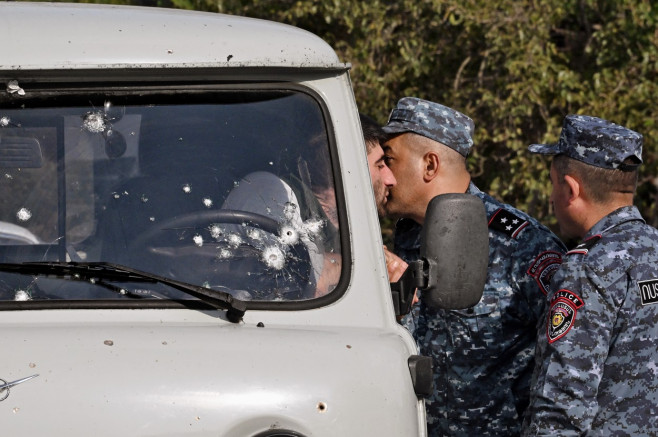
x: 477, y: 330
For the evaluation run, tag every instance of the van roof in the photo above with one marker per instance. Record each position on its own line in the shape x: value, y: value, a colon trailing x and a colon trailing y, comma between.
x: 61, y: 36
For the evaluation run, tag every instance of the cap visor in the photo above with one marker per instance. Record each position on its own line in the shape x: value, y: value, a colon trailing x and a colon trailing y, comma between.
x: 395, y: 128
x: 544, y: 149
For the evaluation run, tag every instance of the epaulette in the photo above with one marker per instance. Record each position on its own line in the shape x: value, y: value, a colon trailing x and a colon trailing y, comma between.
x: 585, y: 246
x: 507, y: 222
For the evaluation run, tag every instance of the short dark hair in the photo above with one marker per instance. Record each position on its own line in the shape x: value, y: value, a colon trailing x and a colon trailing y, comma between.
x: 372, y: 132
x: 599, y: 183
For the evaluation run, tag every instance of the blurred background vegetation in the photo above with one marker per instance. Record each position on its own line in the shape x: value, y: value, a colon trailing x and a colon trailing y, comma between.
x: 517, y: 67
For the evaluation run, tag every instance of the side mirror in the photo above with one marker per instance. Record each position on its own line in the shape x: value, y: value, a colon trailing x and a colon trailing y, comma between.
x: 455, y: 246
x: 454, y: 255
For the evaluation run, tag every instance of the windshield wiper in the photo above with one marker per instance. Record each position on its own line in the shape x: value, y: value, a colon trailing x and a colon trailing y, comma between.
x: 235, y: 308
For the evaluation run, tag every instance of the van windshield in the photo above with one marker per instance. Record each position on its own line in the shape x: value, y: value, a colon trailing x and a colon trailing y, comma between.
x: 231, y: 190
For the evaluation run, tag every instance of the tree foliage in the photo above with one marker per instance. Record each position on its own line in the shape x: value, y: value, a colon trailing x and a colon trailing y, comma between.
x: 517, y: 67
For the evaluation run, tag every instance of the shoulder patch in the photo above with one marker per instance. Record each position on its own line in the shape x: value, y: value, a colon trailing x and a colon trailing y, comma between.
x: 507, y: 222
x: 543, y: 268
x: 585, y: 246
x: 648, y: 291
x: 562, y: 314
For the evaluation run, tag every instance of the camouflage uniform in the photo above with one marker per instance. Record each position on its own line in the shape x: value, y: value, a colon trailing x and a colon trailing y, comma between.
x: 597, y: 360
x: 483, y: 356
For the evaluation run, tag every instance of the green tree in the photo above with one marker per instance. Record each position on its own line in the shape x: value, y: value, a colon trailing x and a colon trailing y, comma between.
x: 517, y: 67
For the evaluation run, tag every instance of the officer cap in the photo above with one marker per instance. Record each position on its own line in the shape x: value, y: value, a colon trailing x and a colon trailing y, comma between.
x: 596, y: 142
x: 434, y: 121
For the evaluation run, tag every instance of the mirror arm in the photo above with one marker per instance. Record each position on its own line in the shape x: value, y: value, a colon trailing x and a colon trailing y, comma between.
x: 415, y: 277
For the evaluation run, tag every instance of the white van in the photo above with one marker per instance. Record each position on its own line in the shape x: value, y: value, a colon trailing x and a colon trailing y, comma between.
x: 188, y: 238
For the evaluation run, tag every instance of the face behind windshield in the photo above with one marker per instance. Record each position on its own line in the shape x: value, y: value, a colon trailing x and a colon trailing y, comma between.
x: 219, y: 191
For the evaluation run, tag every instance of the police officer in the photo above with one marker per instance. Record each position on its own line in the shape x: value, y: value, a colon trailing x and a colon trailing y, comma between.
x: 597, y: 362
x: 483, y: 356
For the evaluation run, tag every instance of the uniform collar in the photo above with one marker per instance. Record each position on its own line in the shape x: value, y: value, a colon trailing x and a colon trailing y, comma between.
x: 472, y: 189
x: 615, y: 218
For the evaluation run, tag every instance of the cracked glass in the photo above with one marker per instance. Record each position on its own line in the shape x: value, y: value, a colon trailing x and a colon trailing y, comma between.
x: 229, y: 190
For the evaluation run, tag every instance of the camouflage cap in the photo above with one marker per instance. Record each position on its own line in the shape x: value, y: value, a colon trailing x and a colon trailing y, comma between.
x: 434, y: 121
x: 595, y: 141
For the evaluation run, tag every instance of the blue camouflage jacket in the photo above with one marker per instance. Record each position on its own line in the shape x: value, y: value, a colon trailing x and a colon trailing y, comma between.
x: 597, y: 363
x: 483, y: 356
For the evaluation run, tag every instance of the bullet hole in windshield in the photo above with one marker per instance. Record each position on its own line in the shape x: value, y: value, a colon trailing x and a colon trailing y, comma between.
x: 313, y: 226
x: 6, y: 121
x: 22, y: 295
x: 254, y: 234
x: 289, y: 211
x: 234, y: 240
x: 274, y: 257
x: 94, y: 122
x: 216, y: 231
x: 289, y: 236
x: 24, y: 214
x: 100, y: 122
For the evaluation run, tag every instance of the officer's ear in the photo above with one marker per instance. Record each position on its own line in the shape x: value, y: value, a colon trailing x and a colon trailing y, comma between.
x: 431, y: 165
x: 575, y: 188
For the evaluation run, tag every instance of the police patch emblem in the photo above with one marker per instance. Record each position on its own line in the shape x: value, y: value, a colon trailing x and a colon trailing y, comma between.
x: 543, y: 268
x: 648, y: 291
x: 562, y: 315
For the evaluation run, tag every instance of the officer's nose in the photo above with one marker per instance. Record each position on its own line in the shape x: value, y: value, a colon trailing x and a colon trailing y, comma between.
x: 387, y: 177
